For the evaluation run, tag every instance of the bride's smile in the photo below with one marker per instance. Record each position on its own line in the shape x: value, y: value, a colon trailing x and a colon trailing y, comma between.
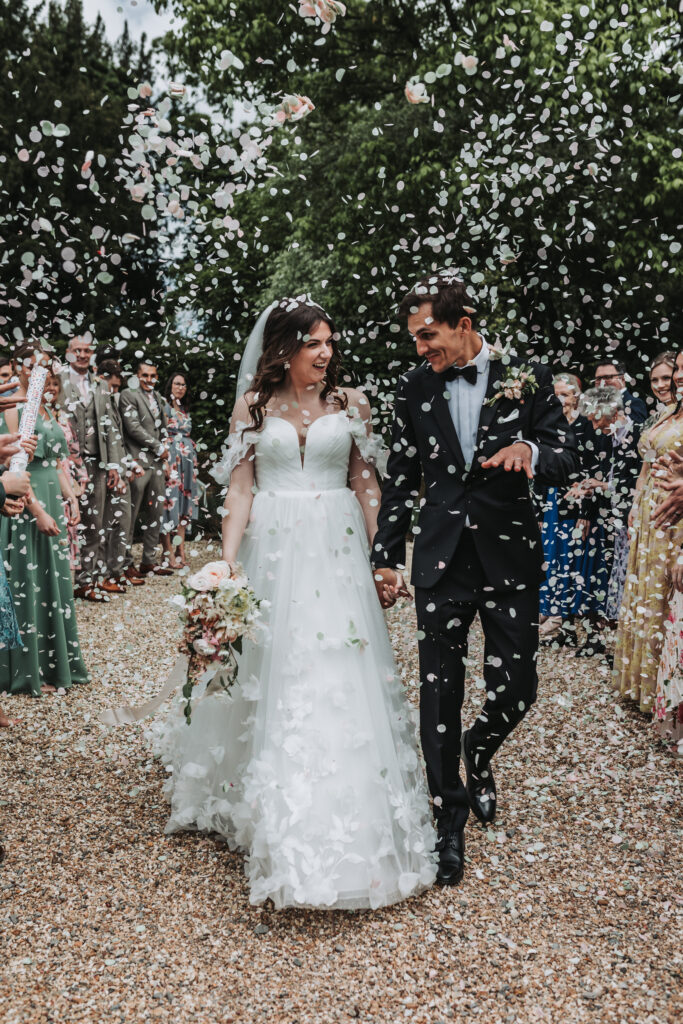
x: 308, y: 366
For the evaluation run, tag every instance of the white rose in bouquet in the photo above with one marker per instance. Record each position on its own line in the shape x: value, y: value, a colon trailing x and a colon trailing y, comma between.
x: 209, y: 577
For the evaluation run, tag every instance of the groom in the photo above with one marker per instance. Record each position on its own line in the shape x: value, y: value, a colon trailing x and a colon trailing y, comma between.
x: 476, y: 428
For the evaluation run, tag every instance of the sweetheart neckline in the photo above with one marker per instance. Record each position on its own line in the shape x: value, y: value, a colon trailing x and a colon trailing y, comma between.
x: 302, y: 448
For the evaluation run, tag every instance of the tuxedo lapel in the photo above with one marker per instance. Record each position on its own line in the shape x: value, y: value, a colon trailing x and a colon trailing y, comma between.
x: 488, y: 413
x: 435, y: 389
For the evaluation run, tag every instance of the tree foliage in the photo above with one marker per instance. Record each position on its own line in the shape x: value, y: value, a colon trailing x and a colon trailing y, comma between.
x: 76, y: 255
x: 545, y: 167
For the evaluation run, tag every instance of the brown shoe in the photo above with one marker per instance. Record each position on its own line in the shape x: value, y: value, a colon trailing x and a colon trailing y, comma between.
x: 129, y: 581
x: 89, y: 594
x: 154, y: 570
x: 131, y: 573
x: 111, y: 587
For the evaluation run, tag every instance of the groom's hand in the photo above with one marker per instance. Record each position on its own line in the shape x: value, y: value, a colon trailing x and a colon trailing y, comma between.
x: 516, y: 457
x: 389, y: 585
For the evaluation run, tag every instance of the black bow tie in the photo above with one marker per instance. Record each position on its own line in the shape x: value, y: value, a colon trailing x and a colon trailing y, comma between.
x: 469, y: 372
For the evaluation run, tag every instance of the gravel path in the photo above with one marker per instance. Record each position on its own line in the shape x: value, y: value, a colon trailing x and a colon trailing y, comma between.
x: 570, y: 910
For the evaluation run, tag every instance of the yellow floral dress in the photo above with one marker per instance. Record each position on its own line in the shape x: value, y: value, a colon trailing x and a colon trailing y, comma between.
x: 645, y: 604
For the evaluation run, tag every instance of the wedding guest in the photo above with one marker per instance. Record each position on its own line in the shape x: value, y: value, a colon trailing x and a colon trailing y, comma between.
x: 611, y: 373
x: 608, y: 497
x: 182, y: 489
x: 88, y: 406
x: 653, y: 556
x: 146, y: 438
x: 37, y: 550
x: 13, y: 488
x: 561, y: 547
x: 668, y: 703
x: 669, y: 511
x: 5, y: 370
x: 661, y: 372
x: 73, y: 464
x: 118, y: 509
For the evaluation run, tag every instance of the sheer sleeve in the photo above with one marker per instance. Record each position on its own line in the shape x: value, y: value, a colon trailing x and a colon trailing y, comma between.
x: 370, y: 445
x: 235, y: 449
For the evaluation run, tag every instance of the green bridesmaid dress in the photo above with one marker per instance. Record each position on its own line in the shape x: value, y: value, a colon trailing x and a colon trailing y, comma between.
x: 39, y: 575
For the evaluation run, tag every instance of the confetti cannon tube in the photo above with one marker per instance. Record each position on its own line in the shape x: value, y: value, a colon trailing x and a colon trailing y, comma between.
x: 29, y: 415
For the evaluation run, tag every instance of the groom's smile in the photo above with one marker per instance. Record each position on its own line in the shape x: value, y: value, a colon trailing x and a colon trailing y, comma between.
x: 440, y: 344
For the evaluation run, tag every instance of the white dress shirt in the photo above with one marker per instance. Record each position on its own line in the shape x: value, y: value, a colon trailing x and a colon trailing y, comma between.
x: 465, y: 403
x: 81, y: 382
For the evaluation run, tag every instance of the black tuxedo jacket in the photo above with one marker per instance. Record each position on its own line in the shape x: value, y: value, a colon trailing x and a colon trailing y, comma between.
x: 425, y: 446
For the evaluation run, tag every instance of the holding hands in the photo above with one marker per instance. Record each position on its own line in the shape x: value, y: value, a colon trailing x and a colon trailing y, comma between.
x: 390, y: 585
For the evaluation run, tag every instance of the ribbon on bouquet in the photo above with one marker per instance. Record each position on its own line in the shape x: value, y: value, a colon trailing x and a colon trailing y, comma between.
x: 177, y: 677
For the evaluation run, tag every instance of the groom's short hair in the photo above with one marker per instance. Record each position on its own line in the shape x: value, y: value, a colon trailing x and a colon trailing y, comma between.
x: 447, y: 294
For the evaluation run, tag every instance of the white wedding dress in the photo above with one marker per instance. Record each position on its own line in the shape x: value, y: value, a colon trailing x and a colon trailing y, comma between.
x: 309, y: 765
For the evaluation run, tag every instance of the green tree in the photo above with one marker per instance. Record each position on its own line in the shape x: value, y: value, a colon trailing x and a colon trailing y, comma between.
x: 76, y: 254
x: 545, y: 166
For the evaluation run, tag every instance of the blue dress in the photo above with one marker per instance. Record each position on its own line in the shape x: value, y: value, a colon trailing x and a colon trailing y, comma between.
x: 578, y: 575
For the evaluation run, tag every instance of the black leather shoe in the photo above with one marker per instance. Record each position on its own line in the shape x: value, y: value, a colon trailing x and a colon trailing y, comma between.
x: 594, y: 646
x: 480, y: 790
x: 565, y: 637
x: 450, y: 847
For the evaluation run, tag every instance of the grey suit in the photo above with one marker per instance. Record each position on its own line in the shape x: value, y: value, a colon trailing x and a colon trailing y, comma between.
x: 144, y: 433
x: 118, y: 511
x: 99, y: 443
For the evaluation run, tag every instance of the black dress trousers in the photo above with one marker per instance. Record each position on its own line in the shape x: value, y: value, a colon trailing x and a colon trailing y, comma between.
x: 510, y: 623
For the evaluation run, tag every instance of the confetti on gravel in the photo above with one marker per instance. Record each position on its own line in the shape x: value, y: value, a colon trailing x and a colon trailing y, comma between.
x: 569, y: 912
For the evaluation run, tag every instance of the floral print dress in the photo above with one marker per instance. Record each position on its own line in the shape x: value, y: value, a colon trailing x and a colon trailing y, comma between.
x: 182, y: 489
x: 645, y: 605
x: 668, y: 707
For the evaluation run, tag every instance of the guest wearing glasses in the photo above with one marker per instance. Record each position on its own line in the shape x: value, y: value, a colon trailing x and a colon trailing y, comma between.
x: 611, y: 373
x: 182, y: 489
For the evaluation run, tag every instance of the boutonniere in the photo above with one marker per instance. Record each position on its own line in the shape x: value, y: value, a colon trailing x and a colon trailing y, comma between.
x: 519, y: 382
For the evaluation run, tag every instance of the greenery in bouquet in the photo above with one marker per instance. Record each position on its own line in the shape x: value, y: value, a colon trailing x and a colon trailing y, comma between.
x: 218, y: 610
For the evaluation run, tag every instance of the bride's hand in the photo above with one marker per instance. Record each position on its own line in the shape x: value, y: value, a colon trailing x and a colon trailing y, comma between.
x: 232, y: 564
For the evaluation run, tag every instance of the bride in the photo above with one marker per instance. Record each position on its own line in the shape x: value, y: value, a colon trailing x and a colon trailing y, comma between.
x: 310, y: 763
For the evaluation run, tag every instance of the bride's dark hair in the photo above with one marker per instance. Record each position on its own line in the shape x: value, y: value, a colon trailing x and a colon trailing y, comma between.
x: 285, y: 331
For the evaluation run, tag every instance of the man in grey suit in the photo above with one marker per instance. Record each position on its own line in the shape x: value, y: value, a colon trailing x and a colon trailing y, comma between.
x: 88, y: 406
x: 146, y: 440
x: 118, y: 510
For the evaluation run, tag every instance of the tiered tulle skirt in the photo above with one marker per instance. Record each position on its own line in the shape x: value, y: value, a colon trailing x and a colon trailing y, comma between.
x: 310, y: 764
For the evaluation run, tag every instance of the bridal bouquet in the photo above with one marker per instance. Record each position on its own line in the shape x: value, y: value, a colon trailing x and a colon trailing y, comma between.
x: 218, y: 610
